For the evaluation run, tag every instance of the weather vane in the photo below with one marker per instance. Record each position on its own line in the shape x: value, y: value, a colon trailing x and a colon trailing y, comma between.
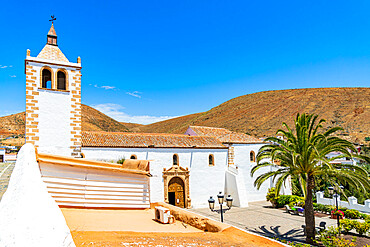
x: 52, y: 19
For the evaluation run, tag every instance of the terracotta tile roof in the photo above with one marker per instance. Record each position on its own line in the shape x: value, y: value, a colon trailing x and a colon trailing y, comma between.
x: 52, y: 52
x: 210, y: 131
x: 155, y: 140
x: 224, y: 135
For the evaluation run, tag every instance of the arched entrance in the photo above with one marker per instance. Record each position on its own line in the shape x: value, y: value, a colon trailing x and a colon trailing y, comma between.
x: 176, y: 186
x: 176, y: 192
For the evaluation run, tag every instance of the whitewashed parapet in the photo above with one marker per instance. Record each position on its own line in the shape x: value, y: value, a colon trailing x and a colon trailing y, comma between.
x: 351, y: 204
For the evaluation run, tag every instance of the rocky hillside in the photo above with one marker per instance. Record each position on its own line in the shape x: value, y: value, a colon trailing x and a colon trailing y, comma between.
x: 261, y: 114
x: 92, y: 120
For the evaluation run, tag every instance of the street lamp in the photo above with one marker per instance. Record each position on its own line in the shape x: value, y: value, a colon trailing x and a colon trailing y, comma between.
x: 221, y: 199
x: 334, y: 193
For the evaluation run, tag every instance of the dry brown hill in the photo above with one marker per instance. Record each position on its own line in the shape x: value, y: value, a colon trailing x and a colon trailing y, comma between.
x: 261, y: 114
x: 133, y: 127
x: 92, y: 120
x: 13, y: 124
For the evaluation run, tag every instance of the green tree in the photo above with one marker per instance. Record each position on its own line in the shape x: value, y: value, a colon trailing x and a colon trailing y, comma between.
x: 301, y: 154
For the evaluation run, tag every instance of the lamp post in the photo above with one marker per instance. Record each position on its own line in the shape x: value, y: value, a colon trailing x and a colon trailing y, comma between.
x: 333, y: 192
x: 221, y: 200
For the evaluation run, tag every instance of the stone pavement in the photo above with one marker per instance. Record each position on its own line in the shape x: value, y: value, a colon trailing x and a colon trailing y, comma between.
x: 6, y: 170
x: 260, y: 218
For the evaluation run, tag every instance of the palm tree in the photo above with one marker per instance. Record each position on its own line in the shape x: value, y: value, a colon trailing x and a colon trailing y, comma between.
x: 302, y: 154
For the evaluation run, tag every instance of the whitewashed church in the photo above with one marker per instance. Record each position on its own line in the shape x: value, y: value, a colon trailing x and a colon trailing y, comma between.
x: 184, y: 170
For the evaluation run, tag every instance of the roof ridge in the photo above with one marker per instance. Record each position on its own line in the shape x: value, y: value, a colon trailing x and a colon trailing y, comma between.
x: 209, y: 127
x: 146, y: 134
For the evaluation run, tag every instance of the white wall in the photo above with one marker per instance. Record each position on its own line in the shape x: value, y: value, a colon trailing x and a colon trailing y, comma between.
x: 242, y: 161
x: 205, y: 181
x: 72, y: 186
x: 351, y: 204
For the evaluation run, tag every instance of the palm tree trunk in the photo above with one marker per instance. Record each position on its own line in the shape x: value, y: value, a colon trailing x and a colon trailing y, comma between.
x: 309, y: 213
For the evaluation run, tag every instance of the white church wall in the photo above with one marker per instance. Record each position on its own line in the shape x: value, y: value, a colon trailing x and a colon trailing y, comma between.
x: 205, y: 180
x: 246, y: 181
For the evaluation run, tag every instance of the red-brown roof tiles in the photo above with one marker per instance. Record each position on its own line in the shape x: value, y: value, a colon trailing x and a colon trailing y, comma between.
x: 155, y: 140
x: 224, y: 135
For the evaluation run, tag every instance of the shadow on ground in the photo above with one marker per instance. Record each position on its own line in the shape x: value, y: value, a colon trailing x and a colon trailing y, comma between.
x: 274, y: 231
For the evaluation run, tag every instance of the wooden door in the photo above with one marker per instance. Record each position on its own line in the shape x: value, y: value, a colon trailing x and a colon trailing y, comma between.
x: 176, y: 186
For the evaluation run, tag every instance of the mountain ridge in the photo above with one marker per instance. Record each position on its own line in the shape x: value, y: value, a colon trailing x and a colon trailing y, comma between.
x: 259, y: 114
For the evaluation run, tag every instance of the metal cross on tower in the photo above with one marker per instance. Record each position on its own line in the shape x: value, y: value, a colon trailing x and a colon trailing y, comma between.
x: 52, y: 19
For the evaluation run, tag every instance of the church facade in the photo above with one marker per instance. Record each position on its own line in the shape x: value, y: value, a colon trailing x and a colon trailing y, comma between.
x: 185, y: 169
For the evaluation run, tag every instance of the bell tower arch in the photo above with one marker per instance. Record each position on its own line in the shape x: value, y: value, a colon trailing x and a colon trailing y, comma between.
x: 53, y: 100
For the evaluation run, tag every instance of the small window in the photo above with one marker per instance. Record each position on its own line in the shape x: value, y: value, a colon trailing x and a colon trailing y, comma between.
x: 61, y: 80
x: 175, y: 160
x: 46, y: 78
x: 252, y: 157
x: 133, y: 157
x: 211, y: 160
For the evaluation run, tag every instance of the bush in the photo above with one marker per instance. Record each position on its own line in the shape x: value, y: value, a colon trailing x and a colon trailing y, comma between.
x: 291, y: 200
x: 329, y: 208
x: 329, y: 238
x: 271, y: 196
x: 347, y: 225
x: 362, y: 227
x: 343, y: 209
x: 352, y: 214
x: 282, y: 200
x: 321, y: 208
x: 364, y: 216
x: 121, y: 160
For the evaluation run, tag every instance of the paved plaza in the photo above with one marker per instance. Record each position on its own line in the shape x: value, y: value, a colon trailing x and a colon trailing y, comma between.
x: 6, y: 170
x: 260, y: 218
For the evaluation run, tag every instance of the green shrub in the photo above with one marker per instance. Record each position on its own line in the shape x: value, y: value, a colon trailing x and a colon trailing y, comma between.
x: 364, y: 216
x: 121, y: 160
x: 291, y: 200
x: 321, y: 208
x: 282, y: 200
x: 362, y: 227
x: 352, y: 214
x: 271, y: 196
x: 329, y: 208
x: 347, y: 225
x: 343, y: 209
x: 329, y: 238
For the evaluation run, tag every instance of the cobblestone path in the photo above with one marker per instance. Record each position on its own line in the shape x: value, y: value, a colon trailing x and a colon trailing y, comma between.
x: 6, y: 170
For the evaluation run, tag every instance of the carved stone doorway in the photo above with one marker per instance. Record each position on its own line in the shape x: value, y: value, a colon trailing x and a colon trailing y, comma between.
x: 176, y: 186
x: 176, y: 192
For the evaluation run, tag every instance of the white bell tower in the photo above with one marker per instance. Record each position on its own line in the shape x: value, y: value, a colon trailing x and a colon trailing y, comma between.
x: 53, y: 100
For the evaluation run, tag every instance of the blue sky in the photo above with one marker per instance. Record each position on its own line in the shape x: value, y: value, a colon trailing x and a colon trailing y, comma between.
x: 145, y: 61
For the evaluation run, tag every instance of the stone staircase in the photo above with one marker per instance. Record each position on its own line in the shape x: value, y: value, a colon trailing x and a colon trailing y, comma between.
x: 6, y: 170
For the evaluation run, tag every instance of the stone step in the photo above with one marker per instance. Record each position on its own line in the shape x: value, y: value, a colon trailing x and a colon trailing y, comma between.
x: 4, y: 179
